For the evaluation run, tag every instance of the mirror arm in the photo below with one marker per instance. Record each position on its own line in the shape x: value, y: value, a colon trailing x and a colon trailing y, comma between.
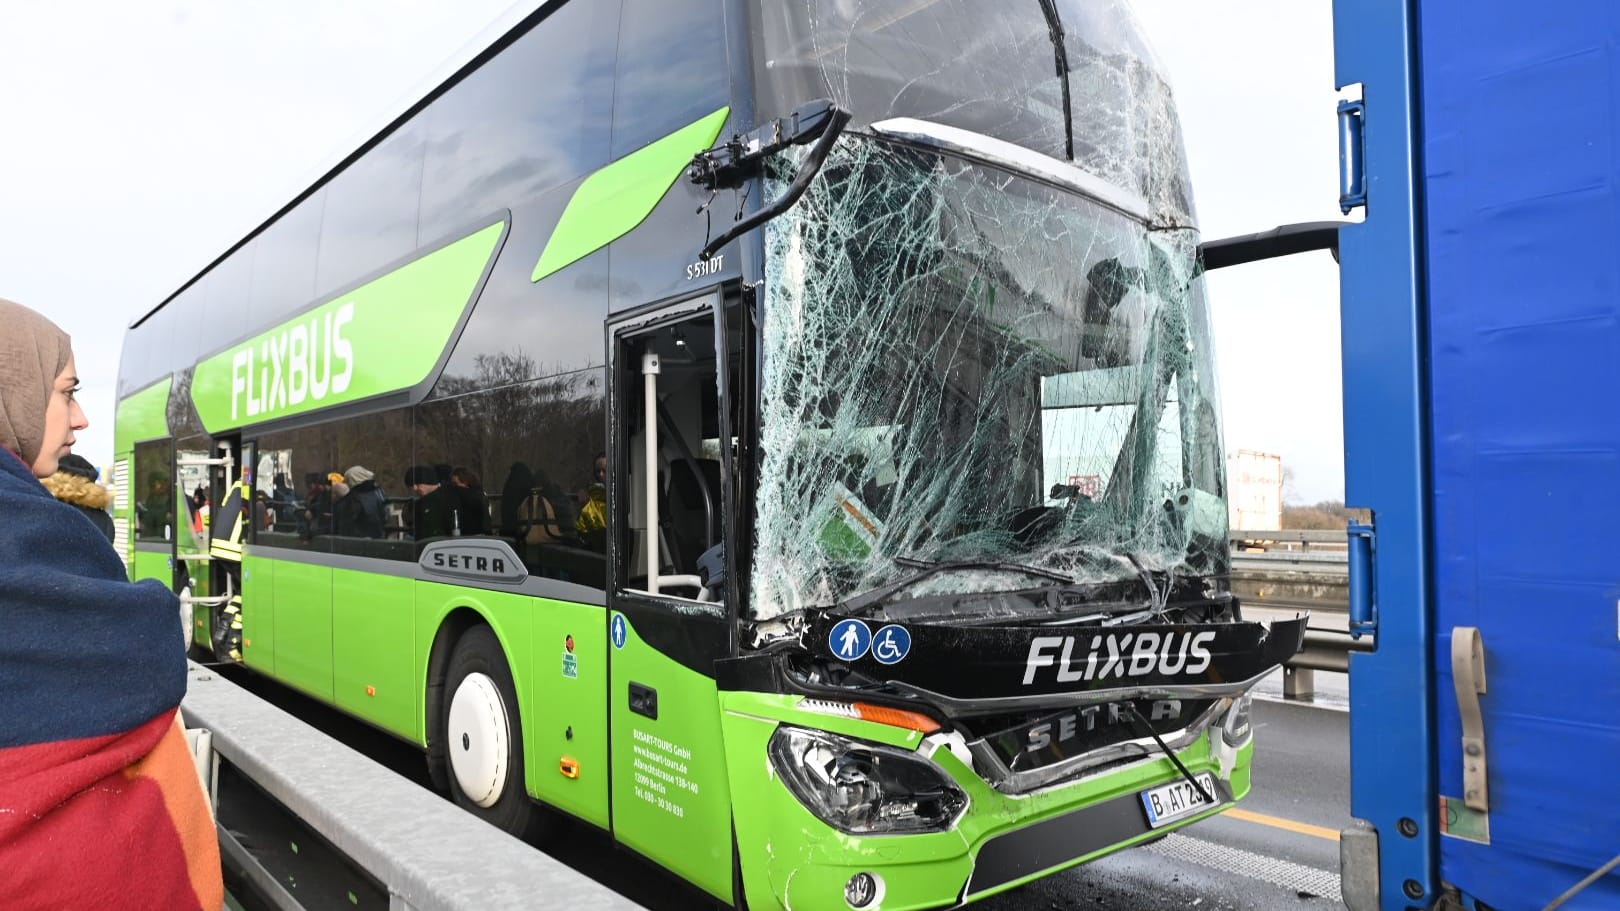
x: 836, y: 120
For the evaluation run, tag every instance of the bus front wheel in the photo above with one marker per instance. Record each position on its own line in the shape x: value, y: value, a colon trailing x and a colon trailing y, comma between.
x: 483, y: 736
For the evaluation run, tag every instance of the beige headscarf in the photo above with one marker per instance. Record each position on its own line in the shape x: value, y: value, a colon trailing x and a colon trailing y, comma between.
x: 32, y: 354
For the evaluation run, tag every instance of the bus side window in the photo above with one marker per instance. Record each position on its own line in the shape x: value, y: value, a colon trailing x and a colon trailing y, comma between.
x: 520, y: 458
x: 299, y: 488
x: 154, y: 496
x: 647, y: 103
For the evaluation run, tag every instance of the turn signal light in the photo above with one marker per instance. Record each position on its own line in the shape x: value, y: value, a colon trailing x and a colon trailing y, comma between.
x: 899, y: 718
x: 569, y: 767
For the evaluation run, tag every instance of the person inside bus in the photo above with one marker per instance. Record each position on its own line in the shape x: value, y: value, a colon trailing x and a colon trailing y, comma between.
x: 433, y: 512
x: 155, y: 513
x: 100, y: 803
x: 472, y: 506
x: 201, y: 512
x: 591, y: 526
x: 316, y: 516
x: 283, y: 503
x: 363, y: 511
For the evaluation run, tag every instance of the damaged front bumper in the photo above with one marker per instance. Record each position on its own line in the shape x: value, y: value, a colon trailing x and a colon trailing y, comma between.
x: 1052, y: 778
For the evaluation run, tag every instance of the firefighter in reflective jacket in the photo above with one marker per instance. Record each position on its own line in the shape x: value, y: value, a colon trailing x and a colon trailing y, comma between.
x: 229, y: 524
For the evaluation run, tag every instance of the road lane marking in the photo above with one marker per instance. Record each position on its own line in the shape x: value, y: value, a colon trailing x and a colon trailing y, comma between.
x: 1288, y: 825
x: 1296, y: 878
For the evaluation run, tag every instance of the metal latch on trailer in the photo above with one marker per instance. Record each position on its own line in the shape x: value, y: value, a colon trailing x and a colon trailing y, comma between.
x: 1363, y: 587
x: 1352, y: 155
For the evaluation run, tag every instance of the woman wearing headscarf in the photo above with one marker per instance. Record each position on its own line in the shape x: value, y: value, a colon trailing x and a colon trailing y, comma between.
x: 100, y: 803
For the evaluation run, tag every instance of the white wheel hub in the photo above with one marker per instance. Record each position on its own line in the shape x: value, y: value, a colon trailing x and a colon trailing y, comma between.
x: 479, y: 739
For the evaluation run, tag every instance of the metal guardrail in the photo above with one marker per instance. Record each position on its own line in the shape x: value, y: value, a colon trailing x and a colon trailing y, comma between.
x: 422, y: 851
x: 1303, y: 570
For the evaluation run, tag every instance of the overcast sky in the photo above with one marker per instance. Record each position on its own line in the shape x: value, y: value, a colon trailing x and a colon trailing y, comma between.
x: 138, y: 140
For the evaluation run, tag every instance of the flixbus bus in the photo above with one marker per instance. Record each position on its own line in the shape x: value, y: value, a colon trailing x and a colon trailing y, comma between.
x: 781, y: 434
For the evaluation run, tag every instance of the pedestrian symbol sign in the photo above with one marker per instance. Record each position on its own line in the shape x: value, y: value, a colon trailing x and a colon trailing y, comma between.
x: 849, y: 639
x: 621, y: 631
x: 891, y: 644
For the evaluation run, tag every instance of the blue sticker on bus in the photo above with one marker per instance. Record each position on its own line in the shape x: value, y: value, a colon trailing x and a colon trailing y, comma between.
x: 621, y: 631
x: 849, y: 639
x: 891, y: 644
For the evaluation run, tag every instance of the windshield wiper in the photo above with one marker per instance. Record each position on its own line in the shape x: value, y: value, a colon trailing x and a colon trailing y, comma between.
x: 930, y: 568
x: 1054, y: 29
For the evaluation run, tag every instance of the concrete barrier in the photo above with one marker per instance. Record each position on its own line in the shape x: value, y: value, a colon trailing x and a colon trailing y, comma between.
x: 428, y: 854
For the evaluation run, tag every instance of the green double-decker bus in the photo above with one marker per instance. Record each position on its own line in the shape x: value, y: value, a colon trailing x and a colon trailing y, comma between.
x: 783, y: 435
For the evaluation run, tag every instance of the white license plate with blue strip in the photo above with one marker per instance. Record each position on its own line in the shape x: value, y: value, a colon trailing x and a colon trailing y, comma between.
x: 1178, y: 800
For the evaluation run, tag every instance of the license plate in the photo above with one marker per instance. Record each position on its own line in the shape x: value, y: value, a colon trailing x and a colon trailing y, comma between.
x: 1178, y: 799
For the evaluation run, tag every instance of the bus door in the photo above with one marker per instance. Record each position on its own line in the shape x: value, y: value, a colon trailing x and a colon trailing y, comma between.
x: 203, y: 467
x: 668, y: 622
x: 221, y: 515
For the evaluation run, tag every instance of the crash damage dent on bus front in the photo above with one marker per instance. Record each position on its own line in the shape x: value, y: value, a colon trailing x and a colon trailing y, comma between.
x: 981, y: 724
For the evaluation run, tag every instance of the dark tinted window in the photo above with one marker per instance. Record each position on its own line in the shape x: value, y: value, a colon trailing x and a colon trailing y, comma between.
x: 521, y: 329
x: 522, y: 466
x: 534, y: 116
x: 162, y: 355
x: 137, y: 365
x: 303, y: 508
x: 371, y: 211
x: 223, y: 319
x: 672, y: 69
x: 128, y: 368
x: 153, y: 491
x: 371, y: 519
x: 284, y: 266
x: 659, y: 259
x: 183, y: 316
x: 183, y: 420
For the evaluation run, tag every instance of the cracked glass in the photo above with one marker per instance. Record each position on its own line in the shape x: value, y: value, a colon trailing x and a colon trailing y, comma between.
x: 966, y: 364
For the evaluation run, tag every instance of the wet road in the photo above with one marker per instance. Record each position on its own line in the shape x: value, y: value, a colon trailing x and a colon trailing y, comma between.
x: 1277, y: 850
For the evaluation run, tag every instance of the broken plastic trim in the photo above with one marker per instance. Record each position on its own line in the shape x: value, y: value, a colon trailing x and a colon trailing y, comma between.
x: 954, y: 706
x: 1007, y: 781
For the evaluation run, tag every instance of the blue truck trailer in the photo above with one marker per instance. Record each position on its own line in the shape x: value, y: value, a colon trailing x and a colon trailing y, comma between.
x: 1481, y: 340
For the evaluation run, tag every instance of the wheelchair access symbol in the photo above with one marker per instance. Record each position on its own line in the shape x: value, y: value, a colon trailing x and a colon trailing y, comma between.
x: 891, y: 644
x: 849, y: 639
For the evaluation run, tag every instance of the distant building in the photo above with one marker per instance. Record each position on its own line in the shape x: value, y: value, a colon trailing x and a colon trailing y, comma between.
x: 1254, y: 489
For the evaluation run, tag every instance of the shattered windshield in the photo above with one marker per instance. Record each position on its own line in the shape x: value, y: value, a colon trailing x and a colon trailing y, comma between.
x: 1071, y: 79
x: 961, y: 364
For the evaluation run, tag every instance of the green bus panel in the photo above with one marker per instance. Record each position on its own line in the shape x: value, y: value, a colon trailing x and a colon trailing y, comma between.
x: 374, y: 665
x: 141, y: 416
x: 671, y: 802
x: 351, y: 347
x: 569, y: 698
x: 152, y: 564
x: 303, y: 605
x: 258, y: 613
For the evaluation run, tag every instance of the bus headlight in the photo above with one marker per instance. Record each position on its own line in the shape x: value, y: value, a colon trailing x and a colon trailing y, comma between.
x: 862, y: 788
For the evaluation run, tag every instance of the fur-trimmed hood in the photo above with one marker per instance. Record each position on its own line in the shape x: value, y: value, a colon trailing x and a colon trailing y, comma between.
x: 80, y: 491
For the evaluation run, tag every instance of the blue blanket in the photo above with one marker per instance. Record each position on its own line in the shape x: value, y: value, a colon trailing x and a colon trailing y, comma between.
x: 83, y: 653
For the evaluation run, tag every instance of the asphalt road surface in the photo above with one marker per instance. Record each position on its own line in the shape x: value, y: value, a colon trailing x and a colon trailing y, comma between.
x: 1277, y: 850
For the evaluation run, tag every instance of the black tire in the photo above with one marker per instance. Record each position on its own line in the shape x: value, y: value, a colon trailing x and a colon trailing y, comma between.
x: 499, y: 795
